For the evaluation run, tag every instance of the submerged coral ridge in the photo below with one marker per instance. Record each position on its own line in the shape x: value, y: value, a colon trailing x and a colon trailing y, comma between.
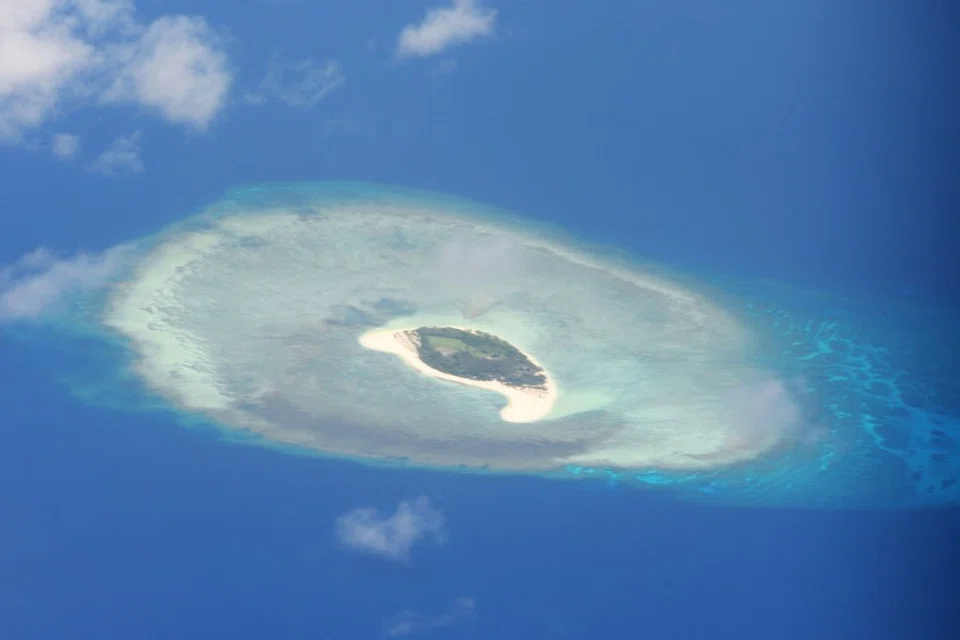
x: 253, y: 314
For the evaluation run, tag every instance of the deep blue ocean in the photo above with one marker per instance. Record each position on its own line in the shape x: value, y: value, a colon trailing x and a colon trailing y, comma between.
x: 804, y: 151
x: 120, y: 526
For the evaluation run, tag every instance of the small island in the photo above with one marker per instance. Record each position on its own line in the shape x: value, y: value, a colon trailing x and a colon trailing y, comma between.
x: 477, y: 356
x: 474, y: 358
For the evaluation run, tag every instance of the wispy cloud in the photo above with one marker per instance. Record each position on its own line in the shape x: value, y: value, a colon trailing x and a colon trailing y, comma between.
x: 474, y: 268
x: 57, y: 55
x: 347, y: 125
x: 301, y: 84
x: 443, y: 68
x: 121, y: 156
x: 38, y: 282
x: 767, y: 410
x: 411, y: 622
x: 446, y: 27
x: 64, y: 145
x: 391, y: 537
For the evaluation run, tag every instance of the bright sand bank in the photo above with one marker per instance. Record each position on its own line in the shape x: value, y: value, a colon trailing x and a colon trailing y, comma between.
x: 524, y: 404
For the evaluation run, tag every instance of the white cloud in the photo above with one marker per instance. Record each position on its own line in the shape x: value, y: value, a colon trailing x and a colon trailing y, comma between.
x: 177, y: 69
x: 121, y: 156
x: 102, y: 15
x: 411, y: 622
x: 391, y: 537
x: 40, y: 280
x: 65, y: 145
x: 446, y: 27
x: 302, y: 84
x: 63, y: 54
x: 40, y: 54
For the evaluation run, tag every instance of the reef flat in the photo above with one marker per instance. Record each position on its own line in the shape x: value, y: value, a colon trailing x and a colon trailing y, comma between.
x: 384, y: 325
x: 255, y: 313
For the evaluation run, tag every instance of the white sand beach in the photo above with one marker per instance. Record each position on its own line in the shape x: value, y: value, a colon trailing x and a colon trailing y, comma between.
x: 523, y: 404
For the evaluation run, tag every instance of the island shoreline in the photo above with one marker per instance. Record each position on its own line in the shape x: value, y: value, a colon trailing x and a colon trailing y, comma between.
x: 524, y: 404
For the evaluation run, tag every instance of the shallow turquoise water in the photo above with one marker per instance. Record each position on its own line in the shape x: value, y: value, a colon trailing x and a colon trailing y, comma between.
x: 877, y: 378
x: 884, y: 384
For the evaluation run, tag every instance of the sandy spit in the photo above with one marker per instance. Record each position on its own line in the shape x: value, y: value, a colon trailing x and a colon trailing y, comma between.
x: 523, y: 404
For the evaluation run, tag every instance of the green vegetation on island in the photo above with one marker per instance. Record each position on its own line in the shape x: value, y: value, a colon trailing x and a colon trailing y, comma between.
x: 476, y: 356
